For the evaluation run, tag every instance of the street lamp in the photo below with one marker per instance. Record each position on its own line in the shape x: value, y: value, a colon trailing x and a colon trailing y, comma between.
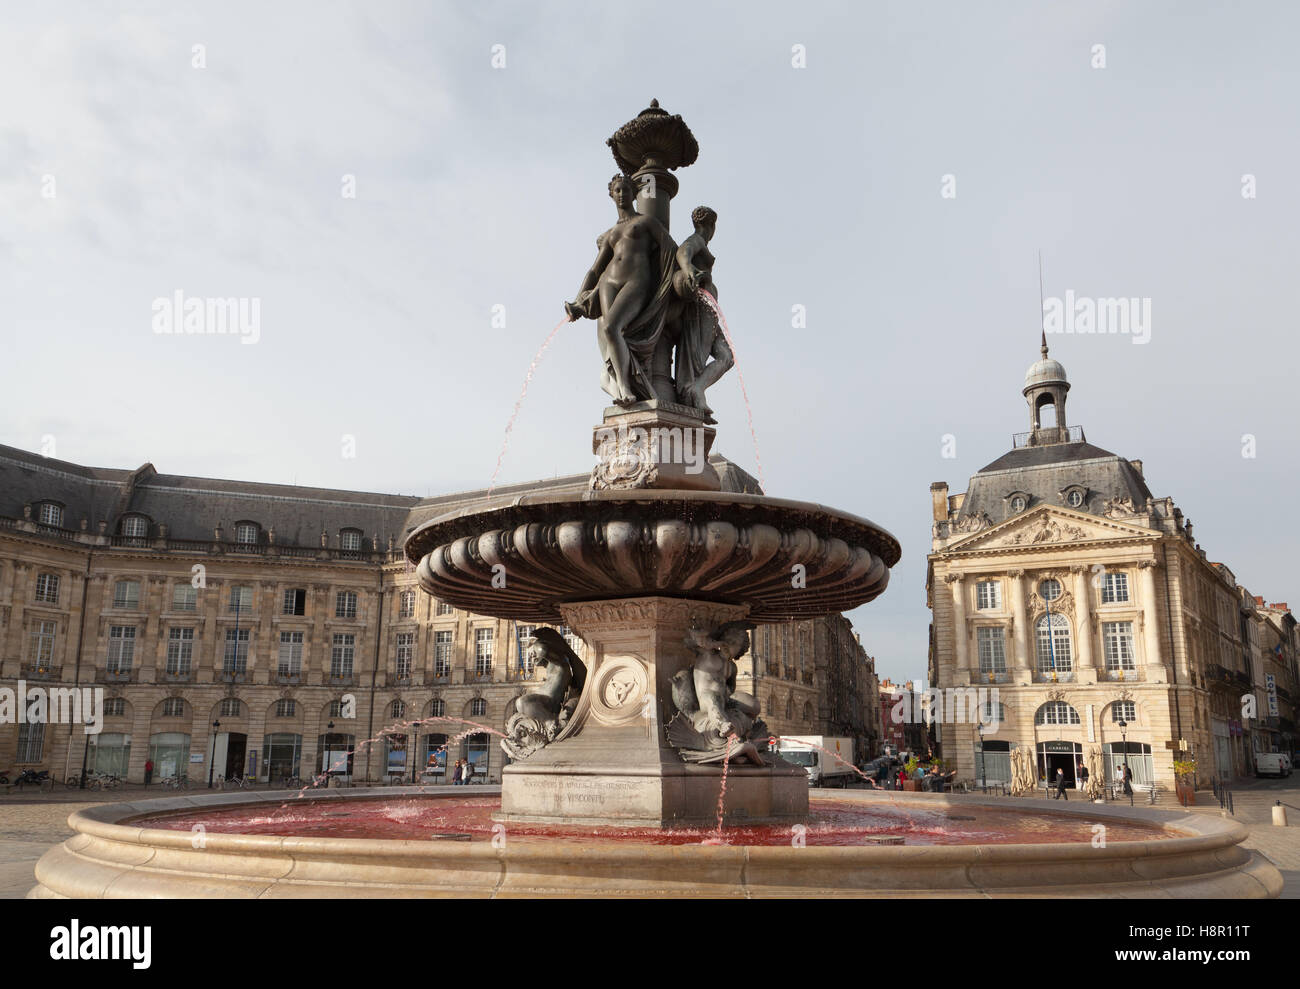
x: 212, y: 760
x: 1123, y: 735
x: 979, y: 732
x: 85, y: 756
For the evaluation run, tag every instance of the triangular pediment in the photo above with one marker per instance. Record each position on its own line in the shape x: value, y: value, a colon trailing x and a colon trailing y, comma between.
x: 1047, y: 525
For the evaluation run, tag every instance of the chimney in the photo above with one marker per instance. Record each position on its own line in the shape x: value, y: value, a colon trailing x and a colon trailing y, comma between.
x: 1280, y: 606
x: 939, y: 500
x: 1137, y: 466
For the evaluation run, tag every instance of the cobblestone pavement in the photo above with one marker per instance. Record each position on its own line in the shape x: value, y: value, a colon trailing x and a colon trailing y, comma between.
x: 32, y: 821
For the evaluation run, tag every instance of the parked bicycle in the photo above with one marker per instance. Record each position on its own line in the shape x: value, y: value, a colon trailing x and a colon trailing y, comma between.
x: 179, y: 782
x: 234, y: 782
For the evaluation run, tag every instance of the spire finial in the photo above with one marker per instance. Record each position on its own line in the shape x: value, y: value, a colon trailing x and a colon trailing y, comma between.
x: 1042, y: 323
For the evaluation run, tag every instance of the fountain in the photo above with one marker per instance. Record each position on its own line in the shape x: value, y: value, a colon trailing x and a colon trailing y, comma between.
x: 643, y: 770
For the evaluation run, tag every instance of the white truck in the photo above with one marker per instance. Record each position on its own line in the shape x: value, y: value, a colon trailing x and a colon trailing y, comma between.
x: 1272, y: 764
x: 828, y: 761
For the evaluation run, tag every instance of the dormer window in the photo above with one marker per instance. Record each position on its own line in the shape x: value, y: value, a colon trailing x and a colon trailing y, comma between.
x: 246, y: 533
x: 1074, y: 496
x: 350, y: 540
x: 135, y: 527
x: 50, y: 513
x: 1017, y: 502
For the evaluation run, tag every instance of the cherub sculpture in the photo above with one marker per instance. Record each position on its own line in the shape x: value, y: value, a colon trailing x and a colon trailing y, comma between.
x: 534, y: 718
x: 712, y: 715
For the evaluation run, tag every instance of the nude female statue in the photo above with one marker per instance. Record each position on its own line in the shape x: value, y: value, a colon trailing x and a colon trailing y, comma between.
x: 700, y: 335
x: 627, y: 292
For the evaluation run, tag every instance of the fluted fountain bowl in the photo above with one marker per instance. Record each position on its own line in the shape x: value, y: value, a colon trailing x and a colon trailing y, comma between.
x: 525, y: 556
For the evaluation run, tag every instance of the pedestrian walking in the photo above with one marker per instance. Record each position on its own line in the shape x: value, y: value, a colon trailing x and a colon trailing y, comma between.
x: 1060, y: 785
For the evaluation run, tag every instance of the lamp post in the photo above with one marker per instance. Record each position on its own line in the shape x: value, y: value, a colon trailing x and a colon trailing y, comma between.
x: 85, y: 757
x: 212, y: 760
x: 415, y: 740
x: 979, y: 733
x: 1123, y: 734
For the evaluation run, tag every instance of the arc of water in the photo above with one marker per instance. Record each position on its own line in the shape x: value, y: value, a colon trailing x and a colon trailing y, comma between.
x: 712, y: 303
x: 532, y: 368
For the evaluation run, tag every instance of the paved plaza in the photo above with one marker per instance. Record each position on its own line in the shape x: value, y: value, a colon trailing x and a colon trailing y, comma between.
x: 31, y: 821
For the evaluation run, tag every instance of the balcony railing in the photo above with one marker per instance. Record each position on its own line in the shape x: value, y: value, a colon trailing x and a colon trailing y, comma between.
x: 284, y: 677
x: 41, y: 672
x: 117, y: 676
x: 179, y: 676
x: 994, y: 676
x: 1046, y: 435
x: 341, y: 679
x: 437, y: 677
x: 1119, y: 675
x: 397, y: 679
x: 478, y: 675
x: 1053, y: 676
x: 516, y: 675
x: 230, y: 676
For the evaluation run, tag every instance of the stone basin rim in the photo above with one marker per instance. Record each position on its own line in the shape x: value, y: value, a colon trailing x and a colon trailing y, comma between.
x: 108, y: 856
x: 514, y: 510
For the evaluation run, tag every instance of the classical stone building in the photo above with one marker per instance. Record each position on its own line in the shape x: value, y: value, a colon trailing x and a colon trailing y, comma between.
x: 272, y: 630
x: 1060, y: 582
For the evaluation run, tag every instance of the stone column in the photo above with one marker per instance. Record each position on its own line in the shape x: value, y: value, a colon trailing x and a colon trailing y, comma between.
x: 612, y: 763
x: 1021, y: 663
x: 1150, y: 622
x: 1084, y: 662
x: 959, y: 630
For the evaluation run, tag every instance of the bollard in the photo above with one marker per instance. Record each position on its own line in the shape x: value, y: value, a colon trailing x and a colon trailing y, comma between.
x: 1279, y: 814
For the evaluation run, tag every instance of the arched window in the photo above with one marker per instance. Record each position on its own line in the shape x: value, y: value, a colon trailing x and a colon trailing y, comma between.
x: 477, y: 707
x: 1053, y: 636
x: 1056, y: 713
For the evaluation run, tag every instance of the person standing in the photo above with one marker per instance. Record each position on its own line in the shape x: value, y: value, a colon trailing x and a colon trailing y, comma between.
x: 148, y: 771
x: 455, y: 776
x: 1128, y: 781
x: 1060, y: 784
x: 1082, y: 778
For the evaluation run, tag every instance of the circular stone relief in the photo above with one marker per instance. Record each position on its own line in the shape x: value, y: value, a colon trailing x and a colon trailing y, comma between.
x: 620, y: 685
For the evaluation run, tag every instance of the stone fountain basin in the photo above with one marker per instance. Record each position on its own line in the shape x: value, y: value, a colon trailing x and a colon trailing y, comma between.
x: 731, y: 548
x: 109, y: 857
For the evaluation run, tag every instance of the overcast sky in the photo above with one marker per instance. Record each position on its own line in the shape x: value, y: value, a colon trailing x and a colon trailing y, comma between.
x: 129, y: 174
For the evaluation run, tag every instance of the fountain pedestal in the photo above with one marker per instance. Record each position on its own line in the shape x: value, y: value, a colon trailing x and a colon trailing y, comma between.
x: 654, y: 444
x: 613, y: 765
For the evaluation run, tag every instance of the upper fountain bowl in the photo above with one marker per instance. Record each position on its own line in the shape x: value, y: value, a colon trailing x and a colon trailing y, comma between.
x: 524, y: 557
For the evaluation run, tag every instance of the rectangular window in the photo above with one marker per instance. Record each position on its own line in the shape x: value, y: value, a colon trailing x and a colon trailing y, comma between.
x: 350, y: 540
x: 295, y: 601
x: 1118, y: 640
x: 51, y: 514
x: 285, y: 708
x: 483, y: 652
x: 992, y: 650
x: 121, y: 648
x: 114, y: 707
x: 988, y: 594
x: 173, y: 707
x: 1053, y: 640
x: 42, y: 651
x: 341, y: 656
x: 47, y: 588
x: 406, y: 605
x: 345, y: 604
x: 31, y: 742
x: 126, y: 595
x: 1125, y: 711
x: 1114, y: 590
x: 442, y: 654
x: 184, y: 597
x: 444, y: 608
x: 405, y: 650
x: 180, y: 650
x: 241, y: 600
x: 289, y: 663
x: 522, y: 634
x: 236, y: 658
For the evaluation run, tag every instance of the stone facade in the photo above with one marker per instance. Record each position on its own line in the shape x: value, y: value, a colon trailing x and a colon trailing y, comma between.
x: 288, y: 615
x: 1058, y: 583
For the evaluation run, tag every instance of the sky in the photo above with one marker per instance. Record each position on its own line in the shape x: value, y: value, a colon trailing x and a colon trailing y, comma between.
x: 411, y: 191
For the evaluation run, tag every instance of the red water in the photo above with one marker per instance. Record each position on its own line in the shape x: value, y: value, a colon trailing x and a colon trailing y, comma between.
x: 830, y: 822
